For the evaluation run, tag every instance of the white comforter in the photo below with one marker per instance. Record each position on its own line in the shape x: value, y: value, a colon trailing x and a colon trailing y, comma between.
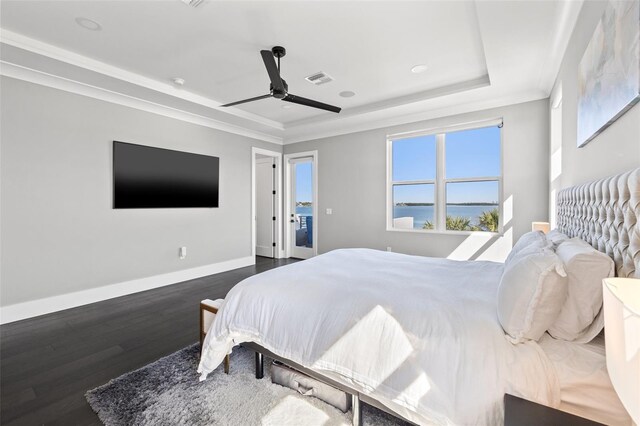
x: 418, y: 334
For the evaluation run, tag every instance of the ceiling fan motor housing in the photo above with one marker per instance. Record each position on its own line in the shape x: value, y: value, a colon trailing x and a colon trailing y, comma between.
x: 279, y: 93
x: 278, y: 51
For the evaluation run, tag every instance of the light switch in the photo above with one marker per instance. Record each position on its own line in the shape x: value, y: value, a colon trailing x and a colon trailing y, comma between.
x: 183, y: 252
x: 329, y: 211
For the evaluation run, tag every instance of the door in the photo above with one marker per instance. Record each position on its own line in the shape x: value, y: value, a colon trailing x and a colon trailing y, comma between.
x: 302, y: 207
x: 265, y: 207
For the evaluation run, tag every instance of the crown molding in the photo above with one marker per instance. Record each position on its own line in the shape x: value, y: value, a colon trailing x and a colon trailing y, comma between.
x: 19, y: 72
x: 433, y: 103
x: 403, y: 118
x: 53, y: 52
x: 314, y: 131
x: 422, y: 96
x: 50, y: 51
x: 565, y: 24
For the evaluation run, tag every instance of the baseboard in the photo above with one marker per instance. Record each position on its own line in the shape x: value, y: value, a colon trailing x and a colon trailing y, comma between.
x: 47, y: 305
x: 264, y: 251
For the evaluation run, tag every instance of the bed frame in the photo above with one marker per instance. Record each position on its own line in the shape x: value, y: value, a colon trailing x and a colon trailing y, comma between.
x: 356, y: 397
x: 604, y: 213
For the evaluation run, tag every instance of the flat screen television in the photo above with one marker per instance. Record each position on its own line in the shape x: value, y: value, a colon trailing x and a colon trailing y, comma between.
x: 148, y: 177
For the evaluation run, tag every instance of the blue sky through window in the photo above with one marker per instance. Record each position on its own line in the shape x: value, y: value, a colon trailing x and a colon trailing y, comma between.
x: 469, y: 153
x: 469, y: 192
x: 414, y: 158
x: 473, y: 153
x: 304, y: 180
x: 420, y: 193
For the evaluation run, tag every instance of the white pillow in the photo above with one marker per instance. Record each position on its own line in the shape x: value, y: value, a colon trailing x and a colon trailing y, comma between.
x: 532, y: 241
x: 555, y: 237
x: 581, y: 317
x: 531, y: 294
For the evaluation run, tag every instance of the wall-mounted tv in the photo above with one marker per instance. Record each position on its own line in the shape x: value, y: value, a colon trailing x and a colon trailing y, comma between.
x: 148, y: 177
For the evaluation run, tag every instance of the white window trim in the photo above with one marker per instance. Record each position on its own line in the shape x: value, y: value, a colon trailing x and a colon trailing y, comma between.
x: 440, y: 181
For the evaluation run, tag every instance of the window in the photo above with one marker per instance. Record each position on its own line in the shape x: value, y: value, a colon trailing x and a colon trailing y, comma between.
x: 446, y: 181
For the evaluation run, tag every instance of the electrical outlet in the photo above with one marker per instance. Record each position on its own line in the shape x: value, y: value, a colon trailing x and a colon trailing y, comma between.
x: 329, y: 211
x: 388, y: 248
x: 182, y: 253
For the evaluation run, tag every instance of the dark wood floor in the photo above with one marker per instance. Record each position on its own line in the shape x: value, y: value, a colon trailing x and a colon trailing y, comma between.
x: 49, y: 362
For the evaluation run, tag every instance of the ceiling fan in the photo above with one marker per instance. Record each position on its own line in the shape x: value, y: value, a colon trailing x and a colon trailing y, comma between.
x: 278, y: 88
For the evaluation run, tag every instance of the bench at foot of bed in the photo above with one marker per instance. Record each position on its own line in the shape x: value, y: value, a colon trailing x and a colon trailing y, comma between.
x: 208, y: 310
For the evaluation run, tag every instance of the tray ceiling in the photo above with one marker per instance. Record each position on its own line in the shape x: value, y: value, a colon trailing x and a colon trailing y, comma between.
x: 475, y: 53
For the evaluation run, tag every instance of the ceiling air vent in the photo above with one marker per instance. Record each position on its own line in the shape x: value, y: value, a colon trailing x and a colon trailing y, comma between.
x: 319, y: 78
x: 192, y: 3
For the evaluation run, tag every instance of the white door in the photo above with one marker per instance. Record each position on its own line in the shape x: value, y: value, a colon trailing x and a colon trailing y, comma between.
x: 302, y: 207
x: 265, y: 207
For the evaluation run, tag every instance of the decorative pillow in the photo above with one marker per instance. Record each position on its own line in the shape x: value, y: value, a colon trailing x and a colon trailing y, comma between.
x: 555, y: 237
x: 531, y: 294
x: 533, y: 241
x: 581, y: 317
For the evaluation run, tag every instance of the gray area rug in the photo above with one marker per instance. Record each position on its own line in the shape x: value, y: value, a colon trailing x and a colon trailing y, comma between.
x: 167, y: 392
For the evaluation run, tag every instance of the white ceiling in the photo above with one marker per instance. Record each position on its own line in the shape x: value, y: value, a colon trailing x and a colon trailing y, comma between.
x: 478, y: 53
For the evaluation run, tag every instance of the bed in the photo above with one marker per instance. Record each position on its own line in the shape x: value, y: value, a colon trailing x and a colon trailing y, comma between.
x: 418, y: 337
x: 585, y: 387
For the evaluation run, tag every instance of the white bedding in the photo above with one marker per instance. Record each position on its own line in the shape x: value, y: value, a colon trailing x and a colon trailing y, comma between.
x: 418, y: 334
x: 585, y: 386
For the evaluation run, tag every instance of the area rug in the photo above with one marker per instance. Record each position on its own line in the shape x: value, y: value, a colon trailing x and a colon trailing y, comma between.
x: 167, y: 392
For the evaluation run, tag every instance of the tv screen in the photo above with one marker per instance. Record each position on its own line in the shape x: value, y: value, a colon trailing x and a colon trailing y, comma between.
x: 147, y: 177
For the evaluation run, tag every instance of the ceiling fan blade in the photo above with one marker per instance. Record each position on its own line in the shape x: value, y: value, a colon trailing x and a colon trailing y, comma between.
x: 257, y: 98
x: 310, y: 103
x: 272, y: 69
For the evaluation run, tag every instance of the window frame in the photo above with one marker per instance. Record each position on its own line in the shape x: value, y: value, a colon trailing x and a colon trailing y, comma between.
x: 440, y: 181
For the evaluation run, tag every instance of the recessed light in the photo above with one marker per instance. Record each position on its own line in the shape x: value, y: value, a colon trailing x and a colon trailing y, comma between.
x: 347, y: 94
x: 178, y: 81
x: 286, y: 106
x: 419, y: 68
x: 88, y: 24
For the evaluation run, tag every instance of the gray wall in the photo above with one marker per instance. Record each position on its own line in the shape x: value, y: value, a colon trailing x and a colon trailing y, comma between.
x: 352, y: 181
x: 59, y: 232
x: 617, y: 149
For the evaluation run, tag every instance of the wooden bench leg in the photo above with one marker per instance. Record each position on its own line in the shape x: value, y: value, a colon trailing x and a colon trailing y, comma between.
x: 211, y: 309
x: 227, y: 360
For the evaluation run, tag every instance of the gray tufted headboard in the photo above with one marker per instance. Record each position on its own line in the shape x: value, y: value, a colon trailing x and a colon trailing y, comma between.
x: 606, y: 214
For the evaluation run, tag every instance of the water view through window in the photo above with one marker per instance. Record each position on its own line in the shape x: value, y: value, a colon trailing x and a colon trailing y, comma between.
x: 471, y: 162
x: 303, y: 175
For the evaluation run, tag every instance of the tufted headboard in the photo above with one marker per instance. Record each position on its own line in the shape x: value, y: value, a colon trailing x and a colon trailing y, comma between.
x: 606, y: 214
